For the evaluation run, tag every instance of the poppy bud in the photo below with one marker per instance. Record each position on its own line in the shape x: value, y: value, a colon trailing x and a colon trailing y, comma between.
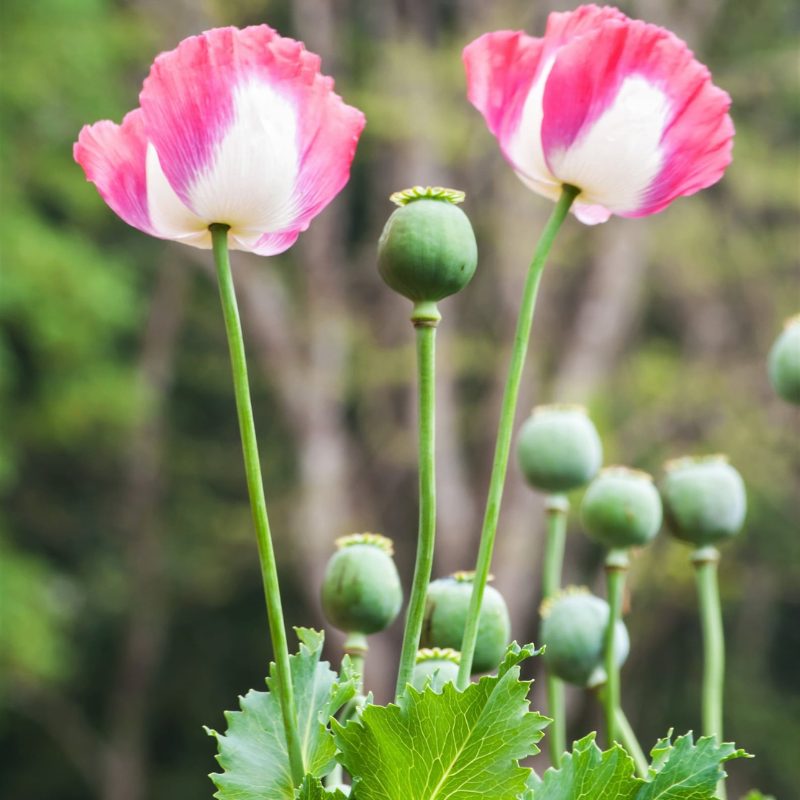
x: 446, y: 609
x: 622, y: 508
x: 559, y: 449
x: 427, y: 250
x: 435, y: 667
x: 704, y: 499
x: 361, y: 590
x: 784, y: 362
x: 573, y: 629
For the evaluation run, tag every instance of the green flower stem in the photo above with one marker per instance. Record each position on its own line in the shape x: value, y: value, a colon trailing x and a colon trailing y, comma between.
x: 706, y: 561
x: 557, y: 510
x: 629, y: 740
x: 335, y: 776
x: 356, y: 647
x: 631, y: 744
x: 269, y: 573
x: 616, y: 567
x: 503, y: 447
x: 425, y: 319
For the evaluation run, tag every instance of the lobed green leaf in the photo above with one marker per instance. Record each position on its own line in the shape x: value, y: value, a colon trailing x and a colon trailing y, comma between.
x: 454, y: 745
x: 253, y: 750
x: 312, y: 789
x: 679, y: 771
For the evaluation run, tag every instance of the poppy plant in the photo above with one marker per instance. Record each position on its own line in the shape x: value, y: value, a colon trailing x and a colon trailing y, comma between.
x: 605, y: 115
x: 615, y: 107
x: 236, y: 127
x: 239, y: 143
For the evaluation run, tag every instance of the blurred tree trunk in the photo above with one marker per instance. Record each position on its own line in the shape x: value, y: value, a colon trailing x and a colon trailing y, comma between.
x: 125, y: 763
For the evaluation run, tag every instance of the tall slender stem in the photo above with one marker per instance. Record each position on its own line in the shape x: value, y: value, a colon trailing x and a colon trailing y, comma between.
x: 706, y: 561
x: 616, y: 567
x: 631, y: 744
x: 269, y: 572
x: 629, y: 740
x: 503, y: 447
x: 557, y: 510
x: 425, y: 320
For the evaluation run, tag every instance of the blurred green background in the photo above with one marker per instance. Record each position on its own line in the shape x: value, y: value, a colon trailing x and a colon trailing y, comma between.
x: 131, y: 610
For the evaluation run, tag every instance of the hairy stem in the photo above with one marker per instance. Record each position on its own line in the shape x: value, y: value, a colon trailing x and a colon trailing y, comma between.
x: 506, y: 427
x: 269, y: 572
x: 557, y: 510
x: 616, y: 567
x: 706, y: 560
x: 425, y: 325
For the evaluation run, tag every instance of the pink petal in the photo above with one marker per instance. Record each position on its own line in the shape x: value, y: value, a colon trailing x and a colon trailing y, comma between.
x: 589, y: 214
x: 248, y: 132
x: 503, y: 66
x: 500, y: 68
x: 266, y: 244
x: 114, y: 159
x: 697, y: 144
x: 633, y: 120
x: 565, y: 26
x: 125, y: 168
x: 506, y: 75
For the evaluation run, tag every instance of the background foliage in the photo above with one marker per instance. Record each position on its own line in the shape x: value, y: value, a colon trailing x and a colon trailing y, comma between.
x: 129, y: 587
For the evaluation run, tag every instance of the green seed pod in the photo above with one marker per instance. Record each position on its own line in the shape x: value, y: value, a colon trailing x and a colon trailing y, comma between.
x: 573, y: 630
x: 427, y: 250
x: 446, y: 609
x: 622, y: 508
x: 435, y: 667
x: 361, y: 590
x: 559, y: 448
x: 704, y: 499
x: 784, y: 362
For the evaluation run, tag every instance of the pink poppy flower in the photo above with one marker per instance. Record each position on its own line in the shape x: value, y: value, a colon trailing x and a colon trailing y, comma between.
x: 236, y: 127
x: 616, y: 107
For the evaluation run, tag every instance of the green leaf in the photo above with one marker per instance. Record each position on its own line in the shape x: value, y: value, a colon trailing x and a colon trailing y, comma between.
x: 312, y: 789
x: 683, y: 771
x: 253, y: 750
x: 533, y: 782
x: 689, y: 770
x: 754, y: 794
x: 589, y: 774
x: 454, y: 745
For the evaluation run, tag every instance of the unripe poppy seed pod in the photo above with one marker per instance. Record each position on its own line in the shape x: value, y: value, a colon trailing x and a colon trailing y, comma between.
x: 446, y: 608
x: 573, y: 629
x: 427, y: 250
x: 435, y: 667
x: 559, y: 448
x: 704, y: 499
x: 361, y: 591
x: 622, y: 508
x: 784, y: 362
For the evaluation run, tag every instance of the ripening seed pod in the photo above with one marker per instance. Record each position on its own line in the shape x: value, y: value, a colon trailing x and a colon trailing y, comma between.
x: 559, y: 448
x: 446, y: 608
x: 704, y: 499
x: 573, y: 629
x: 427, y: 250
x: 435, y: 667
x: 622, y: 508
x: 784, y: 362
x: 361, y: 591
